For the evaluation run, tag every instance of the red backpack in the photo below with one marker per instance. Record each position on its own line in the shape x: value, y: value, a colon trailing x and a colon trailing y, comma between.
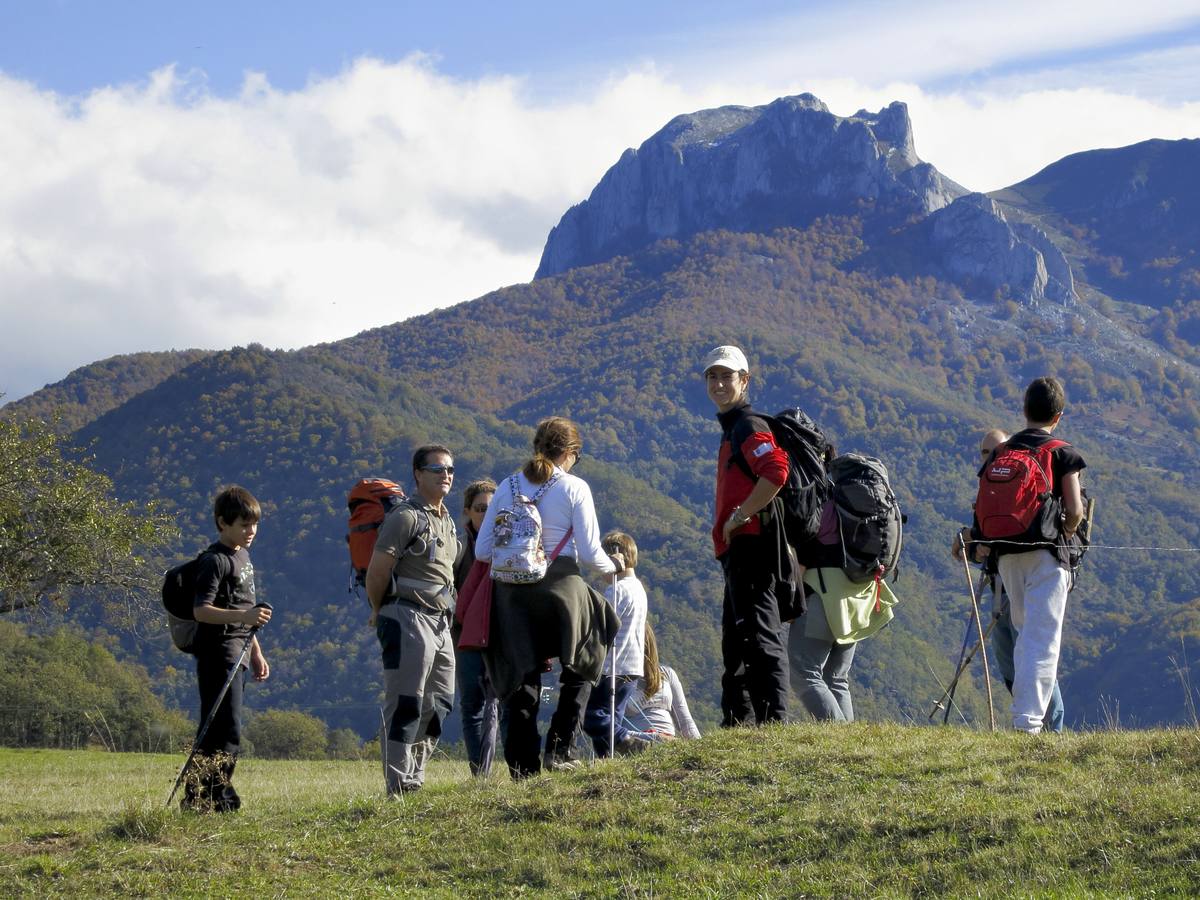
x: 1014, y: 488
x: 369, y: 501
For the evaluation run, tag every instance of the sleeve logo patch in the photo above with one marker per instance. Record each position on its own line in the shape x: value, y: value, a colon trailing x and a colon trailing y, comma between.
x: 761, y: 450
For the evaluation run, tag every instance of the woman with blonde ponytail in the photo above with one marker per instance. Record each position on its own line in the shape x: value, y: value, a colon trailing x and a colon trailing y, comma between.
x: 558, y: 616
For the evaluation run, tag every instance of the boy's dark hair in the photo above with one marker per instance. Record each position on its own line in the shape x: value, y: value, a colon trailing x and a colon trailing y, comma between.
x: 421, y: 453
x: 235, y: 502
x: 1045, y: 398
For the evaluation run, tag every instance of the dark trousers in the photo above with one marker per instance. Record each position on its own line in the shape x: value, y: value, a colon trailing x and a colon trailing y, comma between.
x: 225, y: 733
x: 482, y: 716
x: 753, y: 646
x: 522, y: 744
x: 596, y: 720
x: 208, y: 783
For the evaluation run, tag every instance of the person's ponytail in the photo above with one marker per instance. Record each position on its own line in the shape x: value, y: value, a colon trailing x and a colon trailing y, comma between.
x: 555, y: 436
x: 539, y: 469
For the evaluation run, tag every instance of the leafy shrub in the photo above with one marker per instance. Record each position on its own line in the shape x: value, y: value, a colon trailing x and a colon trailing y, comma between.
x: 288, y: 734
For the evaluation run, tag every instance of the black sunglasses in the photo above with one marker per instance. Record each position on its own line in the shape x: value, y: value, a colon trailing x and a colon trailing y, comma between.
x: 438, y: 469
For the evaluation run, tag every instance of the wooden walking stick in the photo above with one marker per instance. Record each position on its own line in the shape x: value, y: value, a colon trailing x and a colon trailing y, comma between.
x: 947, y: 699
x: 987, y: 675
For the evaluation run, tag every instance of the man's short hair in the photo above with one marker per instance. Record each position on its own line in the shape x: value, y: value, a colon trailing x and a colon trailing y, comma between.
x: 423, y: 453
x: 235, y: 502
x: 1045, y: 398
x: 620, y: 542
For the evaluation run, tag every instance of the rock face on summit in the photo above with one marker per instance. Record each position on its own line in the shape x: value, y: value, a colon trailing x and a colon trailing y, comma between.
x: 750, y: 169
x: 975, y: 244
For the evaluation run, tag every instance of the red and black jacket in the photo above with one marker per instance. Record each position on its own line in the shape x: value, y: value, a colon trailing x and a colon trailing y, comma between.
x: 744, y: 433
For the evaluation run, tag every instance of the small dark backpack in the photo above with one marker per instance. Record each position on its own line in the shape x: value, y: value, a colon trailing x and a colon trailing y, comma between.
x: 370, y: 500
x: 863, y: 516
x: 178, y: 598
x: 803, y: 495
x: 1015, y: 503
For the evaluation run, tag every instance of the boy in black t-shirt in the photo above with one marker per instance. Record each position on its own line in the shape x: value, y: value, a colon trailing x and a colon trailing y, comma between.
x: 1036, y: 580
x: 225, y: 608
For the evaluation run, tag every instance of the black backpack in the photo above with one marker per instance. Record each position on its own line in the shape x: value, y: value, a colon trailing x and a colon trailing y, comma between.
x: 178, y: 599
x: 806, y: 490
x: 863, y: 516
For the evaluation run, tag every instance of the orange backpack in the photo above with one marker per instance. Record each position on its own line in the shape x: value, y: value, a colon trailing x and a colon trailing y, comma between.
x: 369, y: 501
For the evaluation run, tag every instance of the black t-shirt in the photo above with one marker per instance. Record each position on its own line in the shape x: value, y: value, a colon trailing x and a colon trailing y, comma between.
x: 225, y: 580
x: 1063, y: 460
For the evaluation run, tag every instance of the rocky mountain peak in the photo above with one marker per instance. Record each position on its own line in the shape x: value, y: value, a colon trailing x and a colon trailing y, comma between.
x: 750, y: 169
x: 974, y: 243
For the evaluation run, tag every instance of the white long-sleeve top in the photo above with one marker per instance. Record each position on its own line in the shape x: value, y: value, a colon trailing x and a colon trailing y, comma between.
x: 566, y: 505
x: 667, y: 711
x: 628, y: 598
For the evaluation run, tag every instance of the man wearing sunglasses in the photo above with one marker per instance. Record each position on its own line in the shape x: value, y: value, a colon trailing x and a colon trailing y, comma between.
x: 410, y: 583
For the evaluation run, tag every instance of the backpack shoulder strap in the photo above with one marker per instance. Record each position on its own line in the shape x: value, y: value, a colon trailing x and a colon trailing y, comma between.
x: 550, y: 482
x: 741, y: 430
x: 420, y: 515
x: 224, y: 566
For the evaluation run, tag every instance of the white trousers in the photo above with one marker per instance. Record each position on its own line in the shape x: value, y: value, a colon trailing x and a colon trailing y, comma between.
x: 1037, y: 588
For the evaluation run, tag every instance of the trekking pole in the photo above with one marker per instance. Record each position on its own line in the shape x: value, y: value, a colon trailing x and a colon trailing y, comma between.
x: 949, y: 696
x: 612, y: 689
x: 212, y: 713
x: 987, y: 675
x: 948, y: 692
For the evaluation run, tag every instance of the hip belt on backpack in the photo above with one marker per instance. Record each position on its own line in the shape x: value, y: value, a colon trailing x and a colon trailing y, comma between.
x: 405, y: 589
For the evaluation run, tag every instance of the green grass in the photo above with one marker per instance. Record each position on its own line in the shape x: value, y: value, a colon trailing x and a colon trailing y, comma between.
x: 858, y: 811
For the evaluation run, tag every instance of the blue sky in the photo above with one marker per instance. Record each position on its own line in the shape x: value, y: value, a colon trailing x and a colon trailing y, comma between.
x: 177, y: 175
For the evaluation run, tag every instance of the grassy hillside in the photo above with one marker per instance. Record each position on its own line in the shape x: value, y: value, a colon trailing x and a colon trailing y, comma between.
x: 864, y: 810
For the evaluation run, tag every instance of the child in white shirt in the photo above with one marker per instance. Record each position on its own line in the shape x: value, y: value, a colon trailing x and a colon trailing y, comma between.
x: 628, y: 597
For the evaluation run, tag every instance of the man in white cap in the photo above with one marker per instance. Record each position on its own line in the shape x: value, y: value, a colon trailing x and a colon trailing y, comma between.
x: 751, y: 468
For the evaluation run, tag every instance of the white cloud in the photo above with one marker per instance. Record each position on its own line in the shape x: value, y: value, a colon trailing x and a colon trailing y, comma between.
x: 881, y: 40
x: 159, y: 215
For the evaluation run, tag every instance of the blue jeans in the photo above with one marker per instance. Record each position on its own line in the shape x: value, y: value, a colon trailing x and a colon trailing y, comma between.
x: 1003, y: 640
x: 596, y: 720
x: 820, y: 671
x: 480, y: 711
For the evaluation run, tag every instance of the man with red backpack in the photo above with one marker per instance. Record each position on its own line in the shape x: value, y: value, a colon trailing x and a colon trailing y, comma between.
x: 410, y: 584
x: 1029, y: 505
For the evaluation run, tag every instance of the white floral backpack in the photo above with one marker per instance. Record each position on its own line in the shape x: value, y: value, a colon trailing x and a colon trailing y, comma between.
x: 517, y: 555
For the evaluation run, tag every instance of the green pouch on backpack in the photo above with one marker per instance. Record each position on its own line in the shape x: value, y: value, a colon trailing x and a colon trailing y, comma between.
x: 853, y: 610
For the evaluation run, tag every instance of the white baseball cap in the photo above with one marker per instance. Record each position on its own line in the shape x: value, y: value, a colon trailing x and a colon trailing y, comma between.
x: 728, y: 356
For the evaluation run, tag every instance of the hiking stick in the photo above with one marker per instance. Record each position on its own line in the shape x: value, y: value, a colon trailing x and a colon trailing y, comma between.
x: 938, y: 705
x: 949, y: 696
x: 948, y: 693
x: 212, y: 713
x: 612, y: 689
x: 987, y: 675
x: 383, y: 730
